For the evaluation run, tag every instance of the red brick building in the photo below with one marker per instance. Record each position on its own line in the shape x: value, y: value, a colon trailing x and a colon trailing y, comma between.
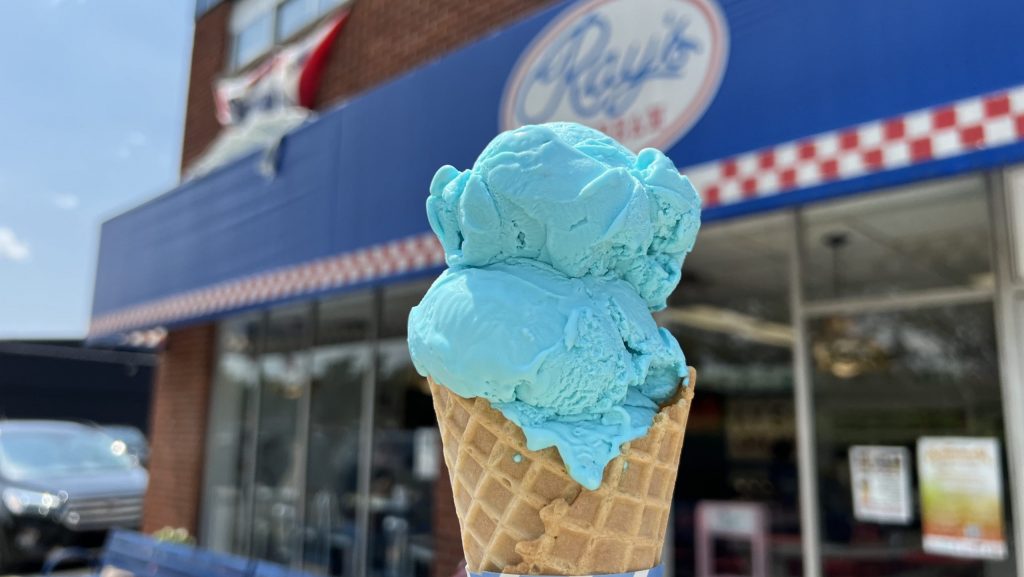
x: 380, y: 41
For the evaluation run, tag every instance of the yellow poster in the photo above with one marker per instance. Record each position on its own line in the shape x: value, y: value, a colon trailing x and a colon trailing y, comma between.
x: 961, y: 484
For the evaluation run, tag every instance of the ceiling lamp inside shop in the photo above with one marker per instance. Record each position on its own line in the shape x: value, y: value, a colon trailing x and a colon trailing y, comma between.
x: 839, y: 350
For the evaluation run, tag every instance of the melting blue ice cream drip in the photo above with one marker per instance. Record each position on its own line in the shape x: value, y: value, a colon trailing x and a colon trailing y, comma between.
x: 560, y: 243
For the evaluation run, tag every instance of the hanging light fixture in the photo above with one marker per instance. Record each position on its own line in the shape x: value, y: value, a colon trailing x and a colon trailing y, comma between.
x: 838, y: 349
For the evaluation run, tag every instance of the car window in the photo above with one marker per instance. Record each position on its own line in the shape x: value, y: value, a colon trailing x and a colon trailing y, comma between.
x: 46, y: 453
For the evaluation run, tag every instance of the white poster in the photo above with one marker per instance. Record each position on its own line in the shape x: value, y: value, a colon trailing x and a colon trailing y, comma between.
x: 426, y: 447
x: 880, y: 477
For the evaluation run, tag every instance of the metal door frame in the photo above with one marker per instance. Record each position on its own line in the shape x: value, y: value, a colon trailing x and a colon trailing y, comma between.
x: 1009, y: 304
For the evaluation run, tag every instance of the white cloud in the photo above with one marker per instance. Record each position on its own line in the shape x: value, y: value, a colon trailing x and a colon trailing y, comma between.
x: 65, y: 201
x: 11, y: 248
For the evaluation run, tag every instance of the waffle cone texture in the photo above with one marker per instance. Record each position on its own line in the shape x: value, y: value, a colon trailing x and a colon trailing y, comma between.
x: 520, y: 512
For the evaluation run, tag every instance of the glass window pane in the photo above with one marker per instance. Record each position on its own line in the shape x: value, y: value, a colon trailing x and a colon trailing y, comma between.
x: 230, y: 434
x: 253, y: 40
x: 731, y: 317
x: 398, y: 301
x: 284, y: 367
x: 341, y: 358
x: 930, y: 236
x: 888, y: 379
x: 328, y: 5
x: 406, y: 454
x: 294, y: 15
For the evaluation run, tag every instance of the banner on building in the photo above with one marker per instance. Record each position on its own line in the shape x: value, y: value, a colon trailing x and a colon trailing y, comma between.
x: 961, y: 485
x: 288, y: 78
x: 880, y: 477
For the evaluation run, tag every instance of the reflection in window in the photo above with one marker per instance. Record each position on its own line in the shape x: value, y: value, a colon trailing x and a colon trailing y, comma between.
x: 888, y: 379
x: 406, y: 460
x: 253, y: 40
x: 230, y: 432
x: 294, y: 15
x: 340, y: 361
x: 257, y: 25
x: 284, y: 368
x: 731, y: 317
x: 406, y: 452
x: 934, y: 236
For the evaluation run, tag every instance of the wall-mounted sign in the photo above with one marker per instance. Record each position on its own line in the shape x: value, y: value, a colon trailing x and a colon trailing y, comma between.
x: 288, y: 78
x: 961, y: 484
x: 880, y: 478
x: 642, y: 71
x: 426, y: 453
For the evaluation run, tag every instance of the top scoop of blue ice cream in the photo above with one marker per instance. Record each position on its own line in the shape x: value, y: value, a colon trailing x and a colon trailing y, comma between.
x: 573, y: 198
x: 560, y: 243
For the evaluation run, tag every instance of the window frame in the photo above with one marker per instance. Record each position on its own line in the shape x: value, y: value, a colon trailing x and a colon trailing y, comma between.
x: 247, y: 12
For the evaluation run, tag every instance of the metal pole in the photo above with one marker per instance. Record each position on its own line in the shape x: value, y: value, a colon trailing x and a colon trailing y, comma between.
x: 369, y: 393
x: 1008, y: 333
x: 248, y: 482
x: 302, y: 432
x: 803, y: 395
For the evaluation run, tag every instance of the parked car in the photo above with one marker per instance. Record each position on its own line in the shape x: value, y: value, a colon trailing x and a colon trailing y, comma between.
x: 133, y: 439
x: 63, y: 484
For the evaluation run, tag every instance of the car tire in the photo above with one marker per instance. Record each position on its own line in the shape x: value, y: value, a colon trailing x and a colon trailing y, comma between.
x: 6, y: 557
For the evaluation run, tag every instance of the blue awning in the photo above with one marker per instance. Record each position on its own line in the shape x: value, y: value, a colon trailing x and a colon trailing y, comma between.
x: 817, y: 99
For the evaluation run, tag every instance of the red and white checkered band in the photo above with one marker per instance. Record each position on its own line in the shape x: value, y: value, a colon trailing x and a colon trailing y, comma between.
x: 968, y: 125
x: 372, y: 263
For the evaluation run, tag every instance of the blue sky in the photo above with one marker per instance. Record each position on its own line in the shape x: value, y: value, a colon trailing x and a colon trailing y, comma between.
x: 91, y: 119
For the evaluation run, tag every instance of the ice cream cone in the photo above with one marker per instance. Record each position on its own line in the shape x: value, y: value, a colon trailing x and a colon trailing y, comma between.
x: 520, y: 511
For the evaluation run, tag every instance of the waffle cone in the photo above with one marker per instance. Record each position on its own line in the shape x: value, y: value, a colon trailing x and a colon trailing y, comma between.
x: 520, y: 511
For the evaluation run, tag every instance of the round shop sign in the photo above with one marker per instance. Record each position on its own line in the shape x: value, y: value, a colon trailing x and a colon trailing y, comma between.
x: 642, y: 71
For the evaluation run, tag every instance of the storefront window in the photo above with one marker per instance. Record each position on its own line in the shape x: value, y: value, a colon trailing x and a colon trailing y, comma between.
x: 230, y: 431
x: 293, y: 15
x: 254, y: 39
x: 284, y: 367
x: 935, y: 236
x: 899, y: 323
x: 406, y: 453
x: 931, y: 372
x: 731, y: 316
x: 918, y: 360
x: 340, y: 361
x: 258, y: 25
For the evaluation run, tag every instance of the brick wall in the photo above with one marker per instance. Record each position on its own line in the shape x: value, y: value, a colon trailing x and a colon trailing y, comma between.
x: 209, y: 58
x: 181, y: 396
x: 447, y: 535
x: 382, y: 39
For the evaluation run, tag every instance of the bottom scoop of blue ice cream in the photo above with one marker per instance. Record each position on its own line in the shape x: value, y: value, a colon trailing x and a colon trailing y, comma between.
x: 578, y: 363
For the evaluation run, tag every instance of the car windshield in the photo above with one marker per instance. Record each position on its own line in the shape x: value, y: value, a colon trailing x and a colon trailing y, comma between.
x: 39, y: 454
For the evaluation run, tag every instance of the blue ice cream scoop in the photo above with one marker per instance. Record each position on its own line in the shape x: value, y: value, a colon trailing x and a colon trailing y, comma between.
x: 571, y: 197
x: 560, y: 242
x: 577, y: 363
